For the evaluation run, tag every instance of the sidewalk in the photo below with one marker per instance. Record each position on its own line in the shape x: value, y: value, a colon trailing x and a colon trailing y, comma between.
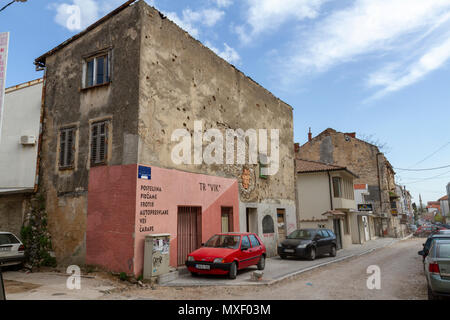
x: 278, y: 269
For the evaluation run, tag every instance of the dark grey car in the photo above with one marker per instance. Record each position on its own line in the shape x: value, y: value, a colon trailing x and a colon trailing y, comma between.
x: 308, y: 243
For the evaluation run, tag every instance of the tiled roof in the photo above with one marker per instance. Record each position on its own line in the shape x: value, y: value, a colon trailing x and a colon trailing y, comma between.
x: 305, y: 166
x: 443, y: 198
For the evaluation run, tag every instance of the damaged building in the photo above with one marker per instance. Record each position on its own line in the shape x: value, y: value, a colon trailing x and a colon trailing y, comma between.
x: 114, y: 96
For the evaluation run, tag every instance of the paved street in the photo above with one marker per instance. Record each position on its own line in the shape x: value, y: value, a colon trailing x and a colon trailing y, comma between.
x: 401, y: 278
x: 278, y: 269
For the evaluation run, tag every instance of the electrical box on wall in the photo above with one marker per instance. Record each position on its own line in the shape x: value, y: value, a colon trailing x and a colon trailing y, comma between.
x: 28, y: 140
x: 156, y: 255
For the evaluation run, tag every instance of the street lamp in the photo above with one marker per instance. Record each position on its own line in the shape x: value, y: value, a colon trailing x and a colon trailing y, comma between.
x: 6, y: 6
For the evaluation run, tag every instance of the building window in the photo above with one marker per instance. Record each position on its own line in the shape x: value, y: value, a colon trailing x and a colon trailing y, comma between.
x: 99, y: 142
x: 97, y: 70
x: 337, y: 189
x: 66, y: 148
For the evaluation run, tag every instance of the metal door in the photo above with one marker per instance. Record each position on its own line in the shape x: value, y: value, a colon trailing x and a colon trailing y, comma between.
x: 281, y: 220
x: 337, y: 232
x: 227, y: 219
x: 189, y: 232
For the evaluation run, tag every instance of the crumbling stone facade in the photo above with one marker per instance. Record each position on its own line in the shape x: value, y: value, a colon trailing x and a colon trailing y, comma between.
x: 161, y: 80
x: 365, y: 160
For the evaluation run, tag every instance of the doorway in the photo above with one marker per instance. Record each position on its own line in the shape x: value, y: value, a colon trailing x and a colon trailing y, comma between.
x: 281, y: 220
x: 337, y: 231
x: 227, y: 219
x: 252, y: 220
x: 189, y: 232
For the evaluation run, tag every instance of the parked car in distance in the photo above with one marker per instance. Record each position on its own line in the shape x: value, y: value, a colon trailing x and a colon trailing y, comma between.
x: 12, y: 250
x: 308, y: 243
x: 226, y: 253
x: 427, y: 244
x: 412, y: 227
x: 437, y: 269
x: 426, y: 230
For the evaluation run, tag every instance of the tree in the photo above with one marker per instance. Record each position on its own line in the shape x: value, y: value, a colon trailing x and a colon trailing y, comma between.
x: 6, y: 6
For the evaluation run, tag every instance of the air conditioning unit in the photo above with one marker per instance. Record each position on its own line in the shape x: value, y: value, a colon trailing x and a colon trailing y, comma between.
x: 28, y: 140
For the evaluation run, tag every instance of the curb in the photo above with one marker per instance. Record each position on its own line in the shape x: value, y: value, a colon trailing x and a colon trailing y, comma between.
x: 290, y: 275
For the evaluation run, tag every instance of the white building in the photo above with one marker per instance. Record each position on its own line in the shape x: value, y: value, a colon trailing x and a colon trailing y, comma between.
x: 18, y: 152
x: 445, y: 210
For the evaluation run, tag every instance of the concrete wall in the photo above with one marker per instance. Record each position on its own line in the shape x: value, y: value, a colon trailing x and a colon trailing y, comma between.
x: 67, y: 104
x: 13, y: 209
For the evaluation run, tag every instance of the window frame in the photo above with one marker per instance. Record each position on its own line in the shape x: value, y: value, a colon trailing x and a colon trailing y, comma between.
x: 107, y: 71
x: 338, y: 185
x: 65, y: 165
x: 92, y: 157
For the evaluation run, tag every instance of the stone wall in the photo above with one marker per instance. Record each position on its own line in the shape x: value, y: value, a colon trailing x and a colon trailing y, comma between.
x: 13, y: 209
x: 66, y: 103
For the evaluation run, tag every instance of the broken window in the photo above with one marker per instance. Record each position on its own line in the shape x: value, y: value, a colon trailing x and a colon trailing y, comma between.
x: 66, y: 147
x: 97, y: 70
x: 99, y: 142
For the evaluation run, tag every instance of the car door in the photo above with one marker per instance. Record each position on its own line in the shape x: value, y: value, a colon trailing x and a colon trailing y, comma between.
x: 320, y: 242
x: 245, y: 254
x: 256, y: 248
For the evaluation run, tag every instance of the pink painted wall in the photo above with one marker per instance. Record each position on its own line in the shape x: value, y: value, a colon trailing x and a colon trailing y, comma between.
x: 115, y: 233
x: 110, y: 217
x: 183, y: 189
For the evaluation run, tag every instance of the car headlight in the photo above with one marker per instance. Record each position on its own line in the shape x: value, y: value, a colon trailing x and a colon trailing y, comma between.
x: 302, y: 246
x: 191, y: 258
x: 218, y: 260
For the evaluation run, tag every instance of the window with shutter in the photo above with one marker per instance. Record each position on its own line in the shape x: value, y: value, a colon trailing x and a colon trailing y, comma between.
x: 99, y: 143
x: 66, y: 148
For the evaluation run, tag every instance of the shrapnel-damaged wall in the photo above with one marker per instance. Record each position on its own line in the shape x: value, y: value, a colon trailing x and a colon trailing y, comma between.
x: 359, y: 157
x: 67, y: 104
x: 182, y: 81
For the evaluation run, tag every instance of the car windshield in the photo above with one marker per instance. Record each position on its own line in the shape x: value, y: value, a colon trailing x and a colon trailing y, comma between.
x: 223, y: 241
x: 301, y: 234
x: 443, y: 250
x: 7, y: 238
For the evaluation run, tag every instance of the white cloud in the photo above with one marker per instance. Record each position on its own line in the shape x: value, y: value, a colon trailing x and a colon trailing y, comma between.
x: 394, y: 78
x: 268, y: 15
x: 367, y: 26
x: 229, y: 54
x: 223, y: 3
x: 408, y: 33
x: 79, y: 14
x: 191, y: 19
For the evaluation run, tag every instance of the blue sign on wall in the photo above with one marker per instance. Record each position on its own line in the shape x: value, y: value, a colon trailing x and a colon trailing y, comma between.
x: 145, y: 173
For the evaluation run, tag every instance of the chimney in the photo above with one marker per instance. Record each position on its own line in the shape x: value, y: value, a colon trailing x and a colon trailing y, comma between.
x: 309, y: 135
x: 351, y: 134
x: 296, y: 147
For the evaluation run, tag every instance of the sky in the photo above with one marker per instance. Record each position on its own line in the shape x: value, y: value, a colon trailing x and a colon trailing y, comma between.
x: 378, y: 68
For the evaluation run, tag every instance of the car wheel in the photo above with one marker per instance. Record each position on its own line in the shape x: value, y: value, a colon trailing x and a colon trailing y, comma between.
x: 233, y: 271
x: 262, y: 263
x: 194, y: 274
x: 333, y: 251
x: 282, y: 256
x: 312, y: 253
x: 431, y: 296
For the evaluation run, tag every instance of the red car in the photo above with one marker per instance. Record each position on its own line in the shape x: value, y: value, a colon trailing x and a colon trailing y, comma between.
x: 226, y: 253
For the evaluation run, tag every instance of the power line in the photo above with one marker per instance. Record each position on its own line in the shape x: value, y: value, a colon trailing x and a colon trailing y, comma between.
x: 6, y: 6
x: 427, y: 169
x: 428, y: 157
x: 429, y: 178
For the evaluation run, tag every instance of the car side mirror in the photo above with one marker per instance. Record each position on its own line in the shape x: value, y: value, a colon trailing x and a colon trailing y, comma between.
x: 202, y: 244
x: 421, y: 253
